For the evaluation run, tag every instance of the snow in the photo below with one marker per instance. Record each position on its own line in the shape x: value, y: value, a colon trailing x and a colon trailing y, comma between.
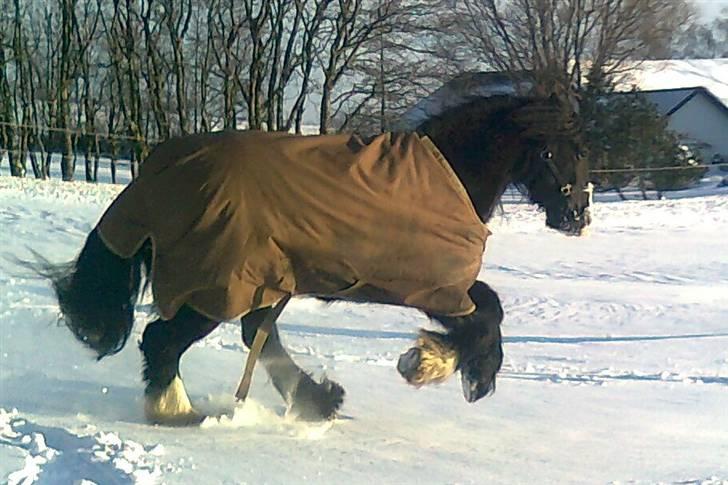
x: 616, y: 366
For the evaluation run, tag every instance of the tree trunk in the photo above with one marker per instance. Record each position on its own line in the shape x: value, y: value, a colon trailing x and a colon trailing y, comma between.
x: 112, y: 161
x: 97, y: 156
x: 325, y: 110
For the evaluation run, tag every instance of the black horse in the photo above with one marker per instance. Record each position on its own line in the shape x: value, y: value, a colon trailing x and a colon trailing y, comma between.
x: 490, y: 141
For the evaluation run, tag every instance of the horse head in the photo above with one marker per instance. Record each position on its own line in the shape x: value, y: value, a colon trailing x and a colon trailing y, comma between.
x: 497, y: 130
x: 554, y: 171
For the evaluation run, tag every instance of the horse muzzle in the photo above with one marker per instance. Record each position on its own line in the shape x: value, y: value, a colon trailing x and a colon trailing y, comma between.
x: 570, y: 214
x: 571, y: 222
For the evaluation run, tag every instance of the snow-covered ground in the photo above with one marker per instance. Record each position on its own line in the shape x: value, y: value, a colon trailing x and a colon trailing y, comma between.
x: 616, y: 366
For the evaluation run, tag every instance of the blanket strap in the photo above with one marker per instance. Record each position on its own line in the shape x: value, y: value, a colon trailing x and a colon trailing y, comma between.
x: 261, y: 335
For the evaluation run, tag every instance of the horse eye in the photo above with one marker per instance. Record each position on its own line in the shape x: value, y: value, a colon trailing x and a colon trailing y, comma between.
x: 546, y: 155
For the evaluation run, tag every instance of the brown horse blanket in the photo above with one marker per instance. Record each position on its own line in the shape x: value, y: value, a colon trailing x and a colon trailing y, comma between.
x: 238, y: 219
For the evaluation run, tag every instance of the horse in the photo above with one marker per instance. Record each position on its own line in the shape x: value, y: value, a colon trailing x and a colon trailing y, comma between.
x: 229, y: 225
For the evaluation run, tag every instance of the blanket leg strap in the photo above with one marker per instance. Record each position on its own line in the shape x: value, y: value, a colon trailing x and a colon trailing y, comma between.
x: 260, y: 337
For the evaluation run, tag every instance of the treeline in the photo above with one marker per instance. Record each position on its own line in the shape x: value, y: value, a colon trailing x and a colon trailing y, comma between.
x: 86, y: 78
x: 146, y: 70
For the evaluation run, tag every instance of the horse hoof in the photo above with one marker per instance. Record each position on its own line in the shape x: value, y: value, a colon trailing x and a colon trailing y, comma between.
x: 170, y: 406
x: 432, y: 359
x: 409, y: 364
x: 314, y: 401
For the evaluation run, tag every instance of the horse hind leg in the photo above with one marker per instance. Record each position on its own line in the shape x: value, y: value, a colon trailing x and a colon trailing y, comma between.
x: 307, y: 399
x: 163, y: 343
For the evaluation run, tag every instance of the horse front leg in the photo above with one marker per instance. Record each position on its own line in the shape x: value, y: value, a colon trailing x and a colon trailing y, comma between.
x: 472, y: 344
x: 306, y: 399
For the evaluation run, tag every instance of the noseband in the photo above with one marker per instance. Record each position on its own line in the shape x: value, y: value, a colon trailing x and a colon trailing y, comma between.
x: 565, y: 186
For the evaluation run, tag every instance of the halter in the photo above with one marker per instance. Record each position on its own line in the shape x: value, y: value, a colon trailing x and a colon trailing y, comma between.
x: 566, y: 186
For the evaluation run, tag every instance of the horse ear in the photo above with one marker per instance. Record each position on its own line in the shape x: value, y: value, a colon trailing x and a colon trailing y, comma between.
x: 551, y: 85
x: 568, y: 98
x: 543, y: 117
x: 552, y: 112
x: 552, y: 107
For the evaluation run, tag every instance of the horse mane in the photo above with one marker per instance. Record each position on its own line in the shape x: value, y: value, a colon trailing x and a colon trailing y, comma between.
x: 491, y: 88
x: 462, y: 90
x: 476, y: 117
x: 481, y: 142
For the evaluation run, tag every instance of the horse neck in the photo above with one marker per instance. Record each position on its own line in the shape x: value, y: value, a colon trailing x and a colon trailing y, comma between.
x: 482, y: 155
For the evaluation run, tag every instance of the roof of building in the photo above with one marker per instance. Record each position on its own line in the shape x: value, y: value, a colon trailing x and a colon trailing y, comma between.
x: 672, y: 74
x: 668, y: 101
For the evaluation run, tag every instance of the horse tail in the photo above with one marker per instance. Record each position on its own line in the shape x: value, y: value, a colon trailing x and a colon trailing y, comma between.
x: 97, y: 293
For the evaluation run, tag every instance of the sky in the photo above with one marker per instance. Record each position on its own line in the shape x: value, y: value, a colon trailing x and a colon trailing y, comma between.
x: 709, y: 9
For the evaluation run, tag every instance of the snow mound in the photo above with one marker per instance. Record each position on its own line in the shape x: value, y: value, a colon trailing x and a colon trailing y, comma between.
x: 57, y: 455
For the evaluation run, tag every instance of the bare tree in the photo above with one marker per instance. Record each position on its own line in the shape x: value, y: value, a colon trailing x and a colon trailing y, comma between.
x: 178, y: 15
x: 200, y: 68
x: 577, y: 39
x: 20, y: 104
x: 225, y: 21
x: 146, y: 70
x: 312, y: 21
x: 283, y: 60
x: 86, y: 29
x: 256, y: 15
x: 48, y: 81
x: 7, y: 100
x: 66, y: 68
x: 396, y: 69
x: 702, y: 40
x: 353, y: 24
x: 153, y: 19
x: 122, y: 28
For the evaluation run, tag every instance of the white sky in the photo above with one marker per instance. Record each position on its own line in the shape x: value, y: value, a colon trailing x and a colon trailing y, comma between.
x: 710, y: 9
